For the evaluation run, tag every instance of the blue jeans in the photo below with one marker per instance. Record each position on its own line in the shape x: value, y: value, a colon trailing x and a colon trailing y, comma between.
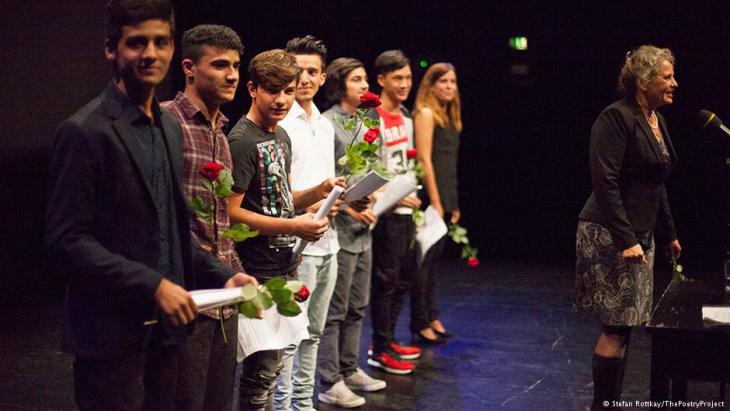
x: 295, y: 384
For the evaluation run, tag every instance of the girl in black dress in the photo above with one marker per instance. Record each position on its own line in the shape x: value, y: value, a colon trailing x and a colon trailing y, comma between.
x: 437, y: 116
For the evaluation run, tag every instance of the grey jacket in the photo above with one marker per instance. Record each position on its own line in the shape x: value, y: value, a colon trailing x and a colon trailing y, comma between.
x: 353, y: 236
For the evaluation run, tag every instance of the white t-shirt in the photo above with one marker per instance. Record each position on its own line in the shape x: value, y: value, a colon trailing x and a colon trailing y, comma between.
x: 313, y: 160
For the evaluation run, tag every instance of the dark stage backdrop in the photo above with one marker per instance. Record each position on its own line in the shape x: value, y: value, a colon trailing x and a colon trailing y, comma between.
x: 527, y: 115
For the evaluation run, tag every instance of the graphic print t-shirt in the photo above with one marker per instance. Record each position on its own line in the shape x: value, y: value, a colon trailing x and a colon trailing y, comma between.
x: 261, y: 166
x: 395, y: 138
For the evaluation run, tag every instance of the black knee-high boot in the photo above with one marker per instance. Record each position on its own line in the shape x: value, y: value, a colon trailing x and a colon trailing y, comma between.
x: 607, y: 381
x: 622, y: 371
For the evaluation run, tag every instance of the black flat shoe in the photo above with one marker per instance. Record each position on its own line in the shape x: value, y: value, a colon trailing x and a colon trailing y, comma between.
x: 445, y: 335
x: 419, y: 339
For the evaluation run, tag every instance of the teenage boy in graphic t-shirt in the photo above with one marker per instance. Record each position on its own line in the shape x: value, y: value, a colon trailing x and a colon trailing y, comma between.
x: 394, y: 258
x: 263, y: 199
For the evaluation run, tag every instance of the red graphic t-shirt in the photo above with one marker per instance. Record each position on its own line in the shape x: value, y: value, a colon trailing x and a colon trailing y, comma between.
x: 395, y: 137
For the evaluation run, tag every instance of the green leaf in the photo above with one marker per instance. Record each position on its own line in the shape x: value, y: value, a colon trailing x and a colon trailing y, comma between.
x: 371, y: 122
x: 266, y: 300
x: 207, y: 185
x: 289, y: 309
x: 200, y: 208
x: 677, y: 275
x: 362, y: 146
x: 225, y: 183
x: 342, y: 161
x: 282, y: 295
x: 294, y: 286
x: 240, y: 232
x: 276, y: 283
x: 249, y: 291
x: 258, y: 302
x: 419, y: 217
x: 360, y: 170
x: 247, y: 309
x: 380, y: 169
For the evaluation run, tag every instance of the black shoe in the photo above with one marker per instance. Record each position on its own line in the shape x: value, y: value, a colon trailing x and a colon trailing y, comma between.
x: 444, y: 335
x: 419, y: 339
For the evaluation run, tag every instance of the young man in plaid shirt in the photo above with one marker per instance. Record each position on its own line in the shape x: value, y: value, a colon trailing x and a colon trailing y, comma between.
x: 211, y: 55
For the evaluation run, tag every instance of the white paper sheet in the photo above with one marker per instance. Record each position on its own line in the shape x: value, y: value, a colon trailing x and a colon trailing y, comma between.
x: 717, y: 315
x: 205, y: 299
x: 321, y: 213
x: 364, y: 186
x: 396, y: 190
x: 273, y: 332
x: 432, y: 230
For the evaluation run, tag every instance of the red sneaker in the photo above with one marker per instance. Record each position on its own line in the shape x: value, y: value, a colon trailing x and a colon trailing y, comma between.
x: 391, y: 363
x: 405, y: 352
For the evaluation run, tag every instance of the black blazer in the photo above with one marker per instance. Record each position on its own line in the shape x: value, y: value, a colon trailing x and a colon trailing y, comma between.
x: 628, y: 176
x: 102, y: 228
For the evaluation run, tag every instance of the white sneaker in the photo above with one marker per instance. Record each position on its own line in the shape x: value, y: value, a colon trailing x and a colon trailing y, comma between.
x: 360, y: 381
x: 341, y: 396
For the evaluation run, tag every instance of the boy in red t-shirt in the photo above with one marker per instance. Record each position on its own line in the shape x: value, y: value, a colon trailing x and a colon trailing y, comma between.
x: 394, y: 263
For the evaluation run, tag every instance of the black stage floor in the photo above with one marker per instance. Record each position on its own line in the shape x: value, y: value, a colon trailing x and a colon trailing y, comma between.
x: 519, y: 346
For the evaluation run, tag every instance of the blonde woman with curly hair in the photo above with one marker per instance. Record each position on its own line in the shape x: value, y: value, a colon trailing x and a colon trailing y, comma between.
x: 631, y: 156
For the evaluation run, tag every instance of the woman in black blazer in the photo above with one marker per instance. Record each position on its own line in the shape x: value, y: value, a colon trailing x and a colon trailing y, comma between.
x: 631, y: 156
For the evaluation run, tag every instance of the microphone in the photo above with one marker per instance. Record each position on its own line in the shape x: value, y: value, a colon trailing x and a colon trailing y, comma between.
x: 708, y: 119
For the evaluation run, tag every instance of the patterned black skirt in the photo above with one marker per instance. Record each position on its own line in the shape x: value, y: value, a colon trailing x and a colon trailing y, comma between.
x: 619, y: 293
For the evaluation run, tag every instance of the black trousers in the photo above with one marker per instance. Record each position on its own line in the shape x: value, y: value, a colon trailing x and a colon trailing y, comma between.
x: 207, y: 366
x: 393, y: 273
x: 423, y: 292
x: 137, y: 381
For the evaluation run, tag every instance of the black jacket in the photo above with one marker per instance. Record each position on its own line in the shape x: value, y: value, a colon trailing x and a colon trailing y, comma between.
x: 628, y: 176
x: 102, y: 228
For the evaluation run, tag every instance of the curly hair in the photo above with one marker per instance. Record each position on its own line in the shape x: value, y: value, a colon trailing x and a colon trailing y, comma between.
x: 641, y: 65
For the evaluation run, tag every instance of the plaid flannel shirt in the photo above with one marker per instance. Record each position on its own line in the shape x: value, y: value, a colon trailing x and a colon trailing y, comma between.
x: 203, y: 143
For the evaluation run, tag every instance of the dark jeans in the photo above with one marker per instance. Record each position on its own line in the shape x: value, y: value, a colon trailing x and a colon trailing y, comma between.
x: 423, y: 292
x: 145, y: 380
x: 393, y: 272
x: 339, y: 345
x: 207, y: 365
x: 258, y: 380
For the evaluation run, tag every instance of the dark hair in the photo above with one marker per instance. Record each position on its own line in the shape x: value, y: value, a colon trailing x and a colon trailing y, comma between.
x: 337, y: 72
x: 273, y: 70
x: 307, y: 45
x: 131, y: 12
x: 390, y: 60
x: 210, y: 35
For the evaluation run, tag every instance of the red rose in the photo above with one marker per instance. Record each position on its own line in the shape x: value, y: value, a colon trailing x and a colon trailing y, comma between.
x: 411, y: 154
x: 211, y: 171
x: 302, y: 295
x: 369, y: 100
x: 472, y: 261
x: 371, y: 135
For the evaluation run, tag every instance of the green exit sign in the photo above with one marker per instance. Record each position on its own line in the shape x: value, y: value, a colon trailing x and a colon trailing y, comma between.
x: 518, y: 43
